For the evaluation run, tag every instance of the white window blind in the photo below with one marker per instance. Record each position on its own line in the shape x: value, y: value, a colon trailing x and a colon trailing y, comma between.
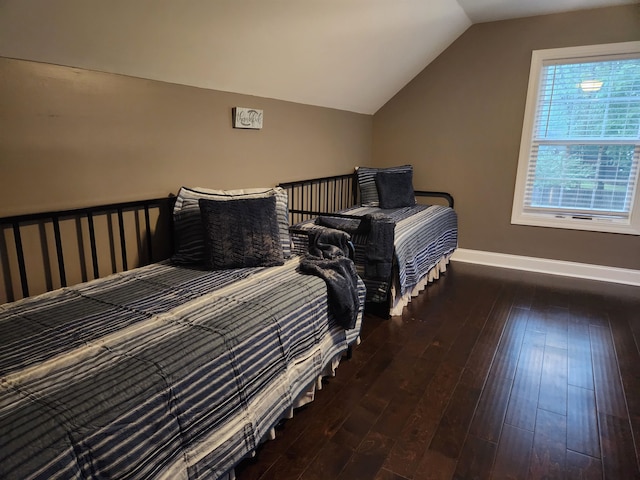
x: 581, y: 154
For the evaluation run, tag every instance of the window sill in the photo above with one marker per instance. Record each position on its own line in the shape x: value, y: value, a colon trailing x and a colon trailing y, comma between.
x: 573, y: 223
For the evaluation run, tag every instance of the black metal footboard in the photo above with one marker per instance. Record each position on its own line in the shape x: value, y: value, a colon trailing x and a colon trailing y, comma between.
x: 430, y: 194
x: 81, y: 244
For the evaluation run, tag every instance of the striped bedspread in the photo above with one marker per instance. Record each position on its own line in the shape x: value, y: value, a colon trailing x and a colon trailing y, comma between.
x: 159, y: 372
x: 424, y: 234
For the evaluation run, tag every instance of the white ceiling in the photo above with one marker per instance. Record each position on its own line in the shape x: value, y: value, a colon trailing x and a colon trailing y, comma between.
x: 347, y: 54
x: 480, y: 11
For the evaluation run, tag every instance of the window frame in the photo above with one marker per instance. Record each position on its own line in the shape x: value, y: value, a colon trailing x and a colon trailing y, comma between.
x: 521, y: 215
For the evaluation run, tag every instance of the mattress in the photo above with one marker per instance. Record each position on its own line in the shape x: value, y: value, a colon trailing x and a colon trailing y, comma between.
x: 159, y: 372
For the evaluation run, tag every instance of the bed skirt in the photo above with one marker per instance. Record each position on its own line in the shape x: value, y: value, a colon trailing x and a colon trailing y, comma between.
x: 398, y: 302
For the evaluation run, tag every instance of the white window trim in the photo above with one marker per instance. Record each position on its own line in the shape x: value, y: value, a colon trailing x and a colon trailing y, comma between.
x: 519, y: 216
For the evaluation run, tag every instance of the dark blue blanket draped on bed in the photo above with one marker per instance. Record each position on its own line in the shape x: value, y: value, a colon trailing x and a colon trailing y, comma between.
x: 378, y: 230
x: 414, y: 239
x: 328, y: 259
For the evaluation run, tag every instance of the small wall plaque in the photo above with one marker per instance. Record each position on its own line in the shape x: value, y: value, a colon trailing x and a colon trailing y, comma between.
x: 247, y: 118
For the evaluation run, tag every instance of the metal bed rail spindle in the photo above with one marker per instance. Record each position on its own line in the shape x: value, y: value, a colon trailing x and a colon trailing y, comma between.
x: 20, y: 254
x: 92, y: 242
x: 123, y: 243
x: 59, y: 254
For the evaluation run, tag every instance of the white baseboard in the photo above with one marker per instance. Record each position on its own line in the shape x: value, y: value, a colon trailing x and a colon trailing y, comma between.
x: 553, y: 267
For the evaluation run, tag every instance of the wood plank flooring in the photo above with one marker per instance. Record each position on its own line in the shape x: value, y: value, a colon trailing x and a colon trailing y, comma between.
x: 489, y: 374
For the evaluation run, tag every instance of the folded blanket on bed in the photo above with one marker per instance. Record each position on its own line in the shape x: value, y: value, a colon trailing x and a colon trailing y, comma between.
x: 327, y: 259
x: 379, y: 229
x: 379, y: 247
x: 349, y: 225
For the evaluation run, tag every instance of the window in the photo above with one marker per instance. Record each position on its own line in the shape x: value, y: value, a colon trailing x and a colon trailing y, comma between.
x: 580, y: 149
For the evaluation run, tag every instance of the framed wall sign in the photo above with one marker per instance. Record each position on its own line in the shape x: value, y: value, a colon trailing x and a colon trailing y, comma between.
x: 247, y: 118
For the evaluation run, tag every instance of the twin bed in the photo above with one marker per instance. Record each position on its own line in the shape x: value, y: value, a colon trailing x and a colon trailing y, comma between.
x: 401, y: 244
x: 176, y: 369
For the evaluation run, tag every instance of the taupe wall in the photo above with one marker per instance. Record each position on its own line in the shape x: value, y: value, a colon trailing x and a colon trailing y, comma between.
x: 72, y: 137
x: 459, y: 123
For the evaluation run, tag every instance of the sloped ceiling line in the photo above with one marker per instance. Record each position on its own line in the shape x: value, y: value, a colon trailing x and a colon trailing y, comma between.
x: 350, y: 55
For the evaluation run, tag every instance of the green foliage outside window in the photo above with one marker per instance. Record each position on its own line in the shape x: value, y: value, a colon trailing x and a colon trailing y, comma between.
x: 586, y: 135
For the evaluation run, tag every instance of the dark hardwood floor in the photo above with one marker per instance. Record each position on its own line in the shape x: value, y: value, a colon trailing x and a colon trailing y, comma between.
x: 490, y: 373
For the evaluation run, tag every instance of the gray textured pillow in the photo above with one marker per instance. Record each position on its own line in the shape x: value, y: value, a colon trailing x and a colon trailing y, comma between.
x: 187, y: 224
x: 395, y: 189
x: 241, y: 233
x: 367, y: 182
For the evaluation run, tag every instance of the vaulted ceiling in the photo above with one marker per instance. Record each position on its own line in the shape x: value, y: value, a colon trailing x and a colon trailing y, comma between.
x: 347, y: 54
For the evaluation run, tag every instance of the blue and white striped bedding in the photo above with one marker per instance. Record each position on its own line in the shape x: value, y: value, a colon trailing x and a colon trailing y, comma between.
x: 424, y: 234
x: 158, y: 372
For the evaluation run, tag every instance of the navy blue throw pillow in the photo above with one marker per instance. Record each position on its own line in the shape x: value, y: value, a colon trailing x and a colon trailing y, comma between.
x: 241, y: 233
x: 395, y: 189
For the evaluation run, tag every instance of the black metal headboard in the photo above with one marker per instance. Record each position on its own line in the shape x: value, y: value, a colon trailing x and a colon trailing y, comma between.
x: 126, y: 233
x: 317, y: 196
